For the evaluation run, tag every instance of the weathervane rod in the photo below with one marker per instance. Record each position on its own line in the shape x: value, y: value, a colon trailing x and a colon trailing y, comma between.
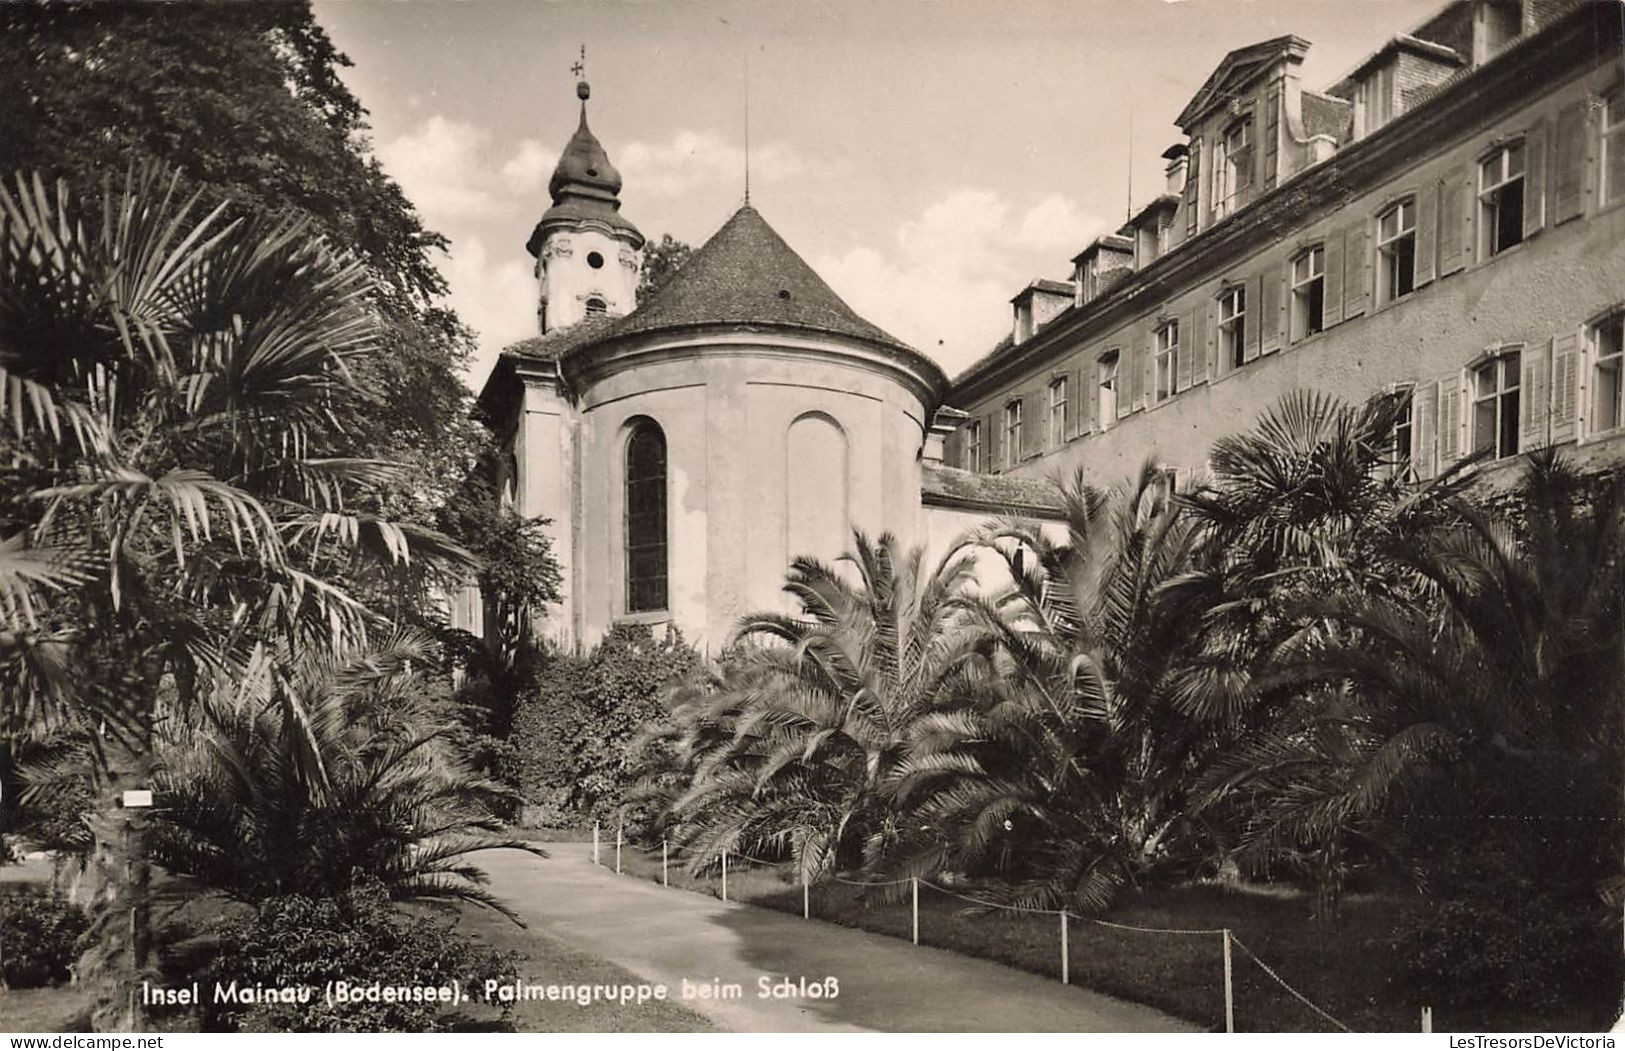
x: 747, y: 125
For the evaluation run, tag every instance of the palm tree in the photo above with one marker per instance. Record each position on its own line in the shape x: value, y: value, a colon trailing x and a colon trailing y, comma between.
x: 1069, y: 781
x: 173, y: 394
x: 305, y: 779
x: 798, y: 742
x: 1483, y: 706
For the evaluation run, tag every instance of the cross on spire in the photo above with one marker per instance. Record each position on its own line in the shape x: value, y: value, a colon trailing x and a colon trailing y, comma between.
x: 580, y: 66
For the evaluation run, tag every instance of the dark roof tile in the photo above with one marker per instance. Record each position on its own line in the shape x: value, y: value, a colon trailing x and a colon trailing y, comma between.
x: 747, y: 274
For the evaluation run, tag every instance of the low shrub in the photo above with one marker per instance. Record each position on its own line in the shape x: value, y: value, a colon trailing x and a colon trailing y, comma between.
x: 360, y: 937
x: 1512, y: 942
x: 570, y: 739
x: 39, y: 939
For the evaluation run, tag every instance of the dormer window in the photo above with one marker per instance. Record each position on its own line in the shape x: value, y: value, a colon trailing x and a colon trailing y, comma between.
x: 1377, y: 97
x: 1232, y: 166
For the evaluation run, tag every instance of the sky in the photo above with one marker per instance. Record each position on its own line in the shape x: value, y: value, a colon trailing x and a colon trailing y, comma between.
x: 928, y: 158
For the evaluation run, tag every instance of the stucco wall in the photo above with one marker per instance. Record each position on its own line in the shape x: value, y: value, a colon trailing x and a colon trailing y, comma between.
x: 727, y: 406
x: 1561, y: 277
x: 566, y: 279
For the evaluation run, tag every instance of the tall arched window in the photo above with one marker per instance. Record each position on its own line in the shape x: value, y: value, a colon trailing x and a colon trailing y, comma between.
x: 646, y: 518
x: 816, y: 504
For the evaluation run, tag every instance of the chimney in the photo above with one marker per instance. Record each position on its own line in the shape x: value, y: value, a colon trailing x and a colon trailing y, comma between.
x: 1178, y: 158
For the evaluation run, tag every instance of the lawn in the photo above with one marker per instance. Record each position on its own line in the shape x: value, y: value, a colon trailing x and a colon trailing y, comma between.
x: 1345, y: 966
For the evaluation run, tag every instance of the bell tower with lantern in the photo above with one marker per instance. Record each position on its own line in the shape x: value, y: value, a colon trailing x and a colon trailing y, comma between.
x: 588, y: 255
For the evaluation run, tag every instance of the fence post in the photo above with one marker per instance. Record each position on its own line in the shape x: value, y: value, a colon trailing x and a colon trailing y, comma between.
x: 665, y: 878
x: 1229, y: 988
x: 724, y: 873
x: 914, y: 895
x: 806, y: 902
x: 618, y: 829
x: 1066, y: 957
x: 595, y: 842
x: 1427, y: 1019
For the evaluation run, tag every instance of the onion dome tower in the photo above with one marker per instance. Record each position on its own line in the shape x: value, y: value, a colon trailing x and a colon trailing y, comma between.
x: 588, y: 255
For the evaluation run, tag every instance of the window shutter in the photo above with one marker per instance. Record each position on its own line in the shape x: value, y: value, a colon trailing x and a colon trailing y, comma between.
x: 1250, y: 309
x: 1148, y: 365
x: 1210, y: 335
x: 1565, y: 422
x: 994, y: 445
x: 1534, y: 395
x: 1196, y: 344
x: 1356, y: 270
x: 1271, y: 308
x: 1193, y: 186
x: 1182, y: 372
x: 1454, y: 224
x: 1534, y: 179
x: 1427, y: 232
x: 1034, y: 424
x: 1332, y: 282
x: 1425, y: 426
x: 953, y: 447
x: 1568, y: 163
x: 1088, y: 396
x: 1449, y: 419
x: 1125, y: 365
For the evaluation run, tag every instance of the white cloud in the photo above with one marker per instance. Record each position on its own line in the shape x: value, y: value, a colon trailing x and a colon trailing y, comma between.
x: 496, y: 298
x: 944, y: 285
x: 529, y: 167
x: 694, y: 160
x: 450, y: 170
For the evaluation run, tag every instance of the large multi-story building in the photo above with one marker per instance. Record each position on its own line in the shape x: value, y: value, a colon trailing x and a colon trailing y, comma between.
x: 1448, y: 219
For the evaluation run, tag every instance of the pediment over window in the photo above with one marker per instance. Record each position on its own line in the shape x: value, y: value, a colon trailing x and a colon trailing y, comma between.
x: 1239, y: 69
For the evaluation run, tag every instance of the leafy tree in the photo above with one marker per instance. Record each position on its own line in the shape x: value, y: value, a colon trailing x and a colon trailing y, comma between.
x: 804, y: 741
x: 661, y: 259
x: 245, y: 101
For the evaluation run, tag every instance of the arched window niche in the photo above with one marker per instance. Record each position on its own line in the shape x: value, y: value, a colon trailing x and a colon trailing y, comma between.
x: 817, y: 511
x: 645, y: 503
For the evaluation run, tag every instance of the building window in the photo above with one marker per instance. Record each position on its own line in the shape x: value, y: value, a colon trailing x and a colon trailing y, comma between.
x: 1396, y: 251
x: 1607, y: 341
x: 1309, y: 293
x: 1012, y: 433
x: 596, y: 307
x: 973, y: 445
x: 1377, y: 98
x: 1057, y: 412
x: 1404, y: 450
x: 1500, y: 199
x: 1165, y: 229
x: 1233, y: 326
x: 1167, y: 360
x: 646, y: 518
x: 1107, y: 392
x: 1495, y: 406
x: 1613, y: 150
x: 1232, y: 166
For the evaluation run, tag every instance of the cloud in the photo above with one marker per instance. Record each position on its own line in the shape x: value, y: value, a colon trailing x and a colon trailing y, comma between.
x: 693, y: 160
x: 496, y: 298
x: 944, y: 283
x: 528, y: 169
x: 450, y: 170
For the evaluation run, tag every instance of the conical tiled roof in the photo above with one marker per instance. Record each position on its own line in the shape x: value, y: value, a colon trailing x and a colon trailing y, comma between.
x: 746, y: 274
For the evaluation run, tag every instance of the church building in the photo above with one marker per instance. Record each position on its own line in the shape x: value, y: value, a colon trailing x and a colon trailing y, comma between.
x: 685, y: 449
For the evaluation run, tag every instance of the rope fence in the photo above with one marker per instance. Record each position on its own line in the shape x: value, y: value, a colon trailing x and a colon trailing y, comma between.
x: 1229, y: 940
